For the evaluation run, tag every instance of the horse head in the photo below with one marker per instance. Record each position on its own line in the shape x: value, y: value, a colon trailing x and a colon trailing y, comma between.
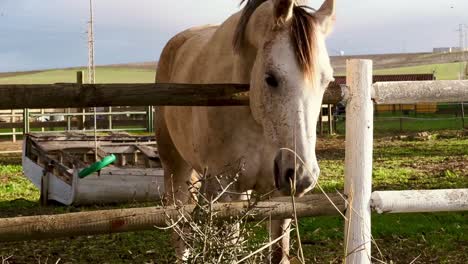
x: 290, y: 74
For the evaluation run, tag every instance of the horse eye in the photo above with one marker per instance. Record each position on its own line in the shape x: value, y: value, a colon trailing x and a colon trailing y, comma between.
x: 271, y: 80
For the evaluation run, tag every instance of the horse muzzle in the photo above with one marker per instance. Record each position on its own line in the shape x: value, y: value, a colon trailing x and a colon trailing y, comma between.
x: 292, y: 176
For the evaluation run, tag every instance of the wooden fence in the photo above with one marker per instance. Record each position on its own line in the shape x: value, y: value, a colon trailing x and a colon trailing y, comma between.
x: 359, y: 96
x: 18, y: 122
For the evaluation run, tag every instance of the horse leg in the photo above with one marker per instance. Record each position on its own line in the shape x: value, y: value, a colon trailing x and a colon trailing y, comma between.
x: 177, y: 173
x: 280, y: 250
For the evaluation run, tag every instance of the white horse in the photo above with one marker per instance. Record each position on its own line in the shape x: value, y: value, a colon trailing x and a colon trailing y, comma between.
x: 278, y: 47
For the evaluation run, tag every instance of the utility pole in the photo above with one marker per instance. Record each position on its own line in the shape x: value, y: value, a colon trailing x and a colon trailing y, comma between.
x: 465, y: 51
x: 462, y: 44
x: 92, y: 70
x: 463, y: 65
x: 91, y: 65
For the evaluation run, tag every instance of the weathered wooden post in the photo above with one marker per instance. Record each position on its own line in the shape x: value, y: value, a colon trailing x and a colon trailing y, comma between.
x: 321, y: 121
x: 149, y: 119
x: 25, y: 121
x: 358, y: 161
x: 463, y: 114
x: 110, y: 118
x: 13, y: 120
x: 82, y: 119
x: 42, y: 118
x: 69, y: 119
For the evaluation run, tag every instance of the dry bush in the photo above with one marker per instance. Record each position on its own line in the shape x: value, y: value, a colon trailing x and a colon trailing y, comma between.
x: 211, y: 239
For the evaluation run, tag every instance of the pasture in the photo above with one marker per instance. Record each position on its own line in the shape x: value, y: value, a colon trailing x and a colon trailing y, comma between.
x: 121, y: 74
x: 438, y: 161
x: 399, y: 164
x: 131, y: 74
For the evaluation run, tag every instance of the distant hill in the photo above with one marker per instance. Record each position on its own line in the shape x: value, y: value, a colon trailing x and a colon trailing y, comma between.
x: 11, y: 74
x: 381, y: 62
x: 149, y: 65
x: 136, y: 65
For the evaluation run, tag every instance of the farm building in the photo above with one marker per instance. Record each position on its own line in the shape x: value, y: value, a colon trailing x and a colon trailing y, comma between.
x: 448, y: 49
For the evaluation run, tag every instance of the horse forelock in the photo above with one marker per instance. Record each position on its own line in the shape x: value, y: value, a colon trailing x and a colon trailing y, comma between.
x: 304, y: 39
x: 302, y: 33
x: 247, y: 12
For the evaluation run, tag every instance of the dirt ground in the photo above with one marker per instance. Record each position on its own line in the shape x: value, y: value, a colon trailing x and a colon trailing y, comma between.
x: 10, y: 146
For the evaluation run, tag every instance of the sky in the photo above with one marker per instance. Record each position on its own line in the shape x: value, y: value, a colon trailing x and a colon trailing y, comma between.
x: 43, y: 34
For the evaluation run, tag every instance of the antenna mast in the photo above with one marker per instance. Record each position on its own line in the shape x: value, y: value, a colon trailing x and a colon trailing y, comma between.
x: 463, y: 39
x: 91, y: 65
x: 92, y: 70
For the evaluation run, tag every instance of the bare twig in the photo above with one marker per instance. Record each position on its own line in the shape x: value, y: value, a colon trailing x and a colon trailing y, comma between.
x: 262, y: 248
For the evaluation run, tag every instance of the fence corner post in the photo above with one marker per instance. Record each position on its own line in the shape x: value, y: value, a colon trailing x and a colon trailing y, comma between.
x: 358, y: 161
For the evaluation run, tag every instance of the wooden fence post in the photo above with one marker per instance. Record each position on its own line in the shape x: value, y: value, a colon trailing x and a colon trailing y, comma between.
x: 330, y: 117
x: 321, y: 120
x: 42, y: 119
x: 82, y: 119
x: 110, y: 118
x: 25, y: 121
x: 463, y: 115
x: 358, y: 161
x: 149, y: 119
x: 13, y: 120
x: 69, y: 119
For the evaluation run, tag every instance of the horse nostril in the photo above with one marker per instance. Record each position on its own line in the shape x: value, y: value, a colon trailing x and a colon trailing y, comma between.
x: 289, y: 176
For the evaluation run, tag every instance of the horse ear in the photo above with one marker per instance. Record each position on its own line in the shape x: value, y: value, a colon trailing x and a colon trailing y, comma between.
x: 283, y: 10
x: 326, y: 16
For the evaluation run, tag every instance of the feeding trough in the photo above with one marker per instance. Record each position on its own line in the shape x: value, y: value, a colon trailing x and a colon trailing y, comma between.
x: 76, y: 168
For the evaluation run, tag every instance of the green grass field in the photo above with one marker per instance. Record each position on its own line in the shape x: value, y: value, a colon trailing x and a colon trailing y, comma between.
x: 398, y: 164
x: 449, y: 71
x: 132, y: 75
x: 440, y: 162
x: 103, y: 75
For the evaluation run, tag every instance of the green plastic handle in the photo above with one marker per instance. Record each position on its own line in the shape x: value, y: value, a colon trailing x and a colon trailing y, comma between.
x: 97, y: 166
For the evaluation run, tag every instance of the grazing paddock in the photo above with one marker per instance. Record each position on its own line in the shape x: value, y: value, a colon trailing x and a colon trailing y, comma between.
x: 436, y: 163
x: 103, y: 75
x: 446, y: 71
x: 134, y: 74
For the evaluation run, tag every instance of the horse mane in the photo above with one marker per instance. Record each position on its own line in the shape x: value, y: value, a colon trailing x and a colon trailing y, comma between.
x: 302, y: 31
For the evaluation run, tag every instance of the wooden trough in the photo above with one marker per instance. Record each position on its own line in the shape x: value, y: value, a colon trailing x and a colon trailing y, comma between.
x: 52, y: 163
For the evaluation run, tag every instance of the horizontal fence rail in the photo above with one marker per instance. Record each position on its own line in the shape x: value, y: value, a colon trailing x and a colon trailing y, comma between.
x: 420, y: 201
x: 64, y: 95
x: 102, y: 95
x: 68, y: 95
x: 138, y: 219
x: 420, y: 92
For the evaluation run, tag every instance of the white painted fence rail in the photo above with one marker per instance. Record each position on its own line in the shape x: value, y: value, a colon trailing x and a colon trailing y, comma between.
x: 420, y: 92
x: 421, y: 201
